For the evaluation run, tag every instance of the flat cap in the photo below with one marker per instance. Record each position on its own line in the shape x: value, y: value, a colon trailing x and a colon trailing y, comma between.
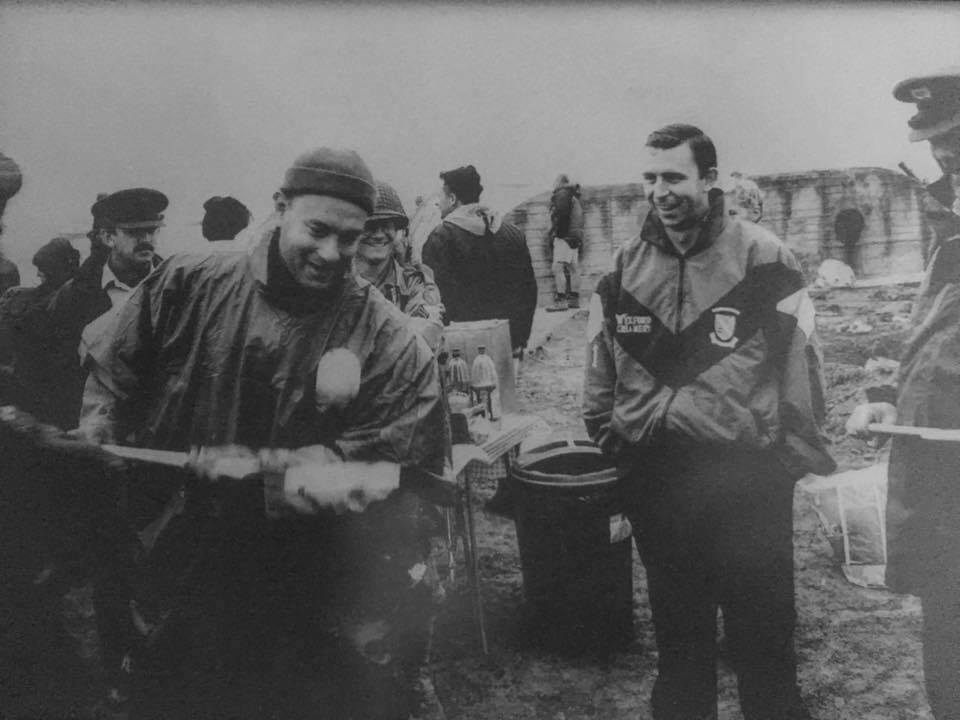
x: 331, y: 171
x: 387, y: 206
x: 937, y: 97
x: 130, y: 209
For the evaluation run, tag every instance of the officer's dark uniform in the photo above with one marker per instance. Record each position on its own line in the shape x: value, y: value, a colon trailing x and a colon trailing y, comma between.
x: 923, y: 510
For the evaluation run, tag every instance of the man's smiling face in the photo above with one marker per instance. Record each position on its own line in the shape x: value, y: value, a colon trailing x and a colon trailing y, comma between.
x: 318, y: 238
x: 674, y: 187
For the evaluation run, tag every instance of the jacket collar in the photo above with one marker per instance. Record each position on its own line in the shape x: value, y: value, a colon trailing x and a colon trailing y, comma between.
x: 709, y: 229
x: 475, y: 218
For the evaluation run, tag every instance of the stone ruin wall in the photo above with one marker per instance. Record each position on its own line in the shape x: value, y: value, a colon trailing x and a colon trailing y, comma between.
x: 611, y: 215
x: 800, y: 208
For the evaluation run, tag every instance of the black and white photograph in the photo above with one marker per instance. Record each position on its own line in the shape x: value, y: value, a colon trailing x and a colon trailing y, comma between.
x: 479, y: 360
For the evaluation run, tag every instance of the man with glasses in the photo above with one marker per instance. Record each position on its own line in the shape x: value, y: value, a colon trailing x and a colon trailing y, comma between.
x: 380, y: 261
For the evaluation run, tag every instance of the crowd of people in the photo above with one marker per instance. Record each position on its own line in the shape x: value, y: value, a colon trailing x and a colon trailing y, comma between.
x: 304, y: 586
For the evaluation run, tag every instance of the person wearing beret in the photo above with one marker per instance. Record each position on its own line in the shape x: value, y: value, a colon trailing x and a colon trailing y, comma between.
x: 81, y: 314
x: 11, y: 179
x: 224, y: 218
x: 923, y: 505
x: 284, y: 352
x: 406, y: 284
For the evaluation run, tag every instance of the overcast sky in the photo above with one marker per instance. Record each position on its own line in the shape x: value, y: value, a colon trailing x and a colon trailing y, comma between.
x: 200, y: 100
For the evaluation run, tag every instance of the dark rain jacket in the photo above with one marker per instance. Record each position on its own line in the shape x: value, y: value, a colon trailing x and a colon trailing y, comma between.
x: 711, y: 348
x: 484, y: 271
x: 223, y: 349
x: 30, y: 371
x: 923, y: 535
x: 566, y: 215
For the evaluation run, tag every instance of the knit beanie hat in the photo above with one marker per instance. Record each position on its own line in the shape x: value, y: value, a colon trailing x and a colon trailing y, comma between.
x: 330, y: 171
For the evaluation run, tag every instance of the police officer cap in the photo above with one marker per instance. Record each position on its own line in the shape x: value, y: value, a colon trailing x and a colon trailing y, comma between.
x: 387, y: 206
x: 938, y: 102
x: 130, y: 209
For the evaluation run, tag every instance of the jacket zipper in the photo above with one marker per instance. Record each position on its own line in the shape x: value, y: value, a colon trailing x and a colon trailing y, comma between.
x: 662, y: 420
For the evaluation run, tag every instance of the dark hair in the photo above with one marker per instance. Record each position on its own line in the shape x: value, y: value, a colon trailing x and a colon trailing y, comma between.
x: 464, y: 182
x: 670, y: 136
x: 225, y: 218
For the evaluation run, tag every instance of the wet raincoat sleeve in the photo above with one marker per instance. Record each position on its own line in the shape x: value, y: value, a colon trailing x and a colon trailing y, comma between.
x: 422, y: 303
x: 802, y: 397
x: 600, y: 371
x: 116, y: 392
x: 397, y: 415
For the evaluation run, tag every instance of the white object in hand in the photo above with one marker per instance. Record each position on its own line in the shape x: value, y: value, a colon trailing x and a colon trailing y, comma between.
x: 349, y: 486
x: 338, y: 378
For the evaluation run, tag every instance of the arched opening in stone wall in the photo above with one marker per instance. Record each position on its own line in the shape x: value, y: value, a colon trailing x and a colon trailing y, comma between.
x: 847, y: 228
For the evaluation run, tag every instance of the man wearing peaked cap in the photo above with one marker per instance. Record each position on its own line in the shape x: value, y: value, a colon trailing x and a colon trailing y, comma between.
x: 937, y: 121
x: 408, y: 285
x: 923, y: 505
x: 283, y: 351
x: 82, y: 312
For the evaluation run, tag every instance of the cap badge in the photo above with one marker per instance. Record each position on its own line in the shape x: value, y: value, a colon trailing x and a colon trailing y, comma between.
x: 921, y: 93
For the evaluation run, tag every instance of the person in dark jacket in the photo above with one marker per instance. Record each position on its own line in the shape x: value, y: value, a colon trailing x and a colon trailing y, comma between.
x: 481, y: 264
x: 923, y: 506
x: 566, y: 235
x: 28, y: 368
x: 11, y: 180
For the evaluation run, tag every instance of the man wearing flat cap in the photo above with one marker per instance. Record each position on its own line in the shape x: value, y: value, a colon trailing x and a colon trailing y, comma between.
x: 923, y: 506
x: 286, y: 353
x: 81, y: 314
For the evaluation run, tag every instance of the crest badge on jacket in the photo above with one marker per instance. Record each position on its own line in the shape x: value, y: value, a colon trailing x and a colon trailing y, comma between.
x: 725, y: 327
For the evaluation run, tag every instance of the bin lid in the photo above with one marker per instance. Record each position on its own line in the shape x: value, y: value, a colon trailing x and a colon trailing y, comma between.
x: 565, y: 463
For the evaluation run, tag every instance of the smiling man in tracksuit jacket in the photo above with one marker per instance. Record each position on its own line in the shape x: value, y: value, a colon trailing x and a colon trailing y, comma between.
x: 702, y: 382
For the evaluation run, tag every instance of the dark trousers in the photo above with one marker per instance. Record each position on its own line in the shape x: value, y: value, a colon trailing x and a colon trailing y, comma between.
x: 940, y: 597
x: 714, y: 529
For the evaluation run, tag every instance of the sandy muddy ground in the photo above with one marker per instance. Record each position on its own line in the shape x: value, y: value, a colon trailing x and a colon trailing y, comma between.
x: 859, y: 650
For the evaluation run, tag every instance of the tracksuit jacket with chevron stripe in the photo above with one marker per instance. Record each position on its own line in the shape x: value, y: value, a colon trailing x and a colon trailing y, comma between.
x: 714, y: 347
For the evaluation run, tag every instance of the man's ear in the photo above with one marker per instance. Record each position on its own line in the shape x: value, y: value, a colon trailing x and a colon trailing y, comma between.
x: 107, y: 237
x: 710, y: 177
x: 280, y: 202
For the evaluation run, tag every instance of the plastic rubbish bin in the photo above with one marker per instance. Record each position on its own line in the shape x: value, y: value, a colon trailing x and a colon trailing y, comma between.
x: 575, y: 547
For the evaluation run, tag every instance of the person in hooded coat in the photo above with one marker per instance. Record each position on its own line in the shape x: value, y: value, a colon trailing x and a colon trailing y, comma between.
x: 481, y: 264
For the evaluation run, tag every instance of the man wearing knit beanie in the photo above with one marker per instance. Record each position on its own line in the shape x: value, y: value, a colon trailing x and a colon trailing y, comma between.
x: 284, y: 352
